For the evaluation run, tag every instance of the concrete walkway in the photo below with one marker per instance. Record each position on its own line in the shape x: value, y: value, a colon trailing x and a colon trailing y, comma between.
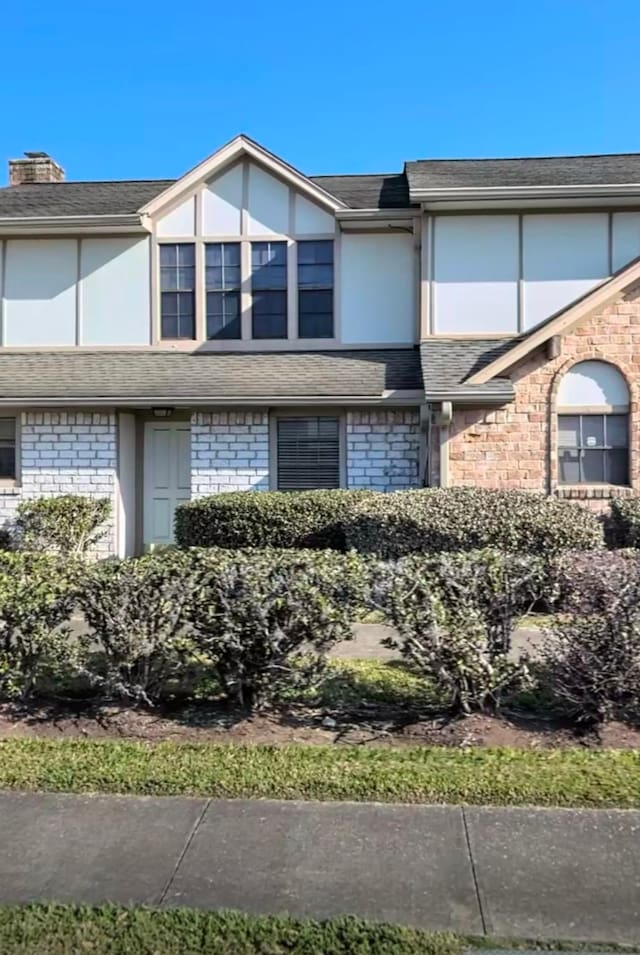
x: 509, y: 872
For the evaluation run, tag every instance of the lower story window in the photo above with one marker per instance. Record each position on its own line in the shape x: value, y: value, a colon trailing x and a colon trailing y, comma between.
x: 593, y: 448
x: 7, y: 448
x: 308, y: 453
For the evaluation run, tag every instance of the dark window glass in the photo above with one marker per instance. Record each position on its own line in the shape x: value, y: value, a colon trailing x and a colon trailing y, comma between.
x: 269, y: 314
x: 269, y: 289
x: 593, y: 449
x: 7, y: 448
x: 315, y: 289
x: 308, y: 453
x: 222, y: 282
x: 177, y: 295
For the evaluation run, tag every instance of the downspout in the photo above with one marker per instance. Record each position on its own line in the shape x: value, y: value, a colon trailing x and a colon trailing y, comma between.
x: 444, y: 420
x: 426, y: 426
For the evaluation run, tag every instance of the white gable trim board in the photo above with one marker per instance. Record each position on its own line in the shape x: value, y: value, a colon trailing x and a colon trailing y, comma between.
x: 239, y: 148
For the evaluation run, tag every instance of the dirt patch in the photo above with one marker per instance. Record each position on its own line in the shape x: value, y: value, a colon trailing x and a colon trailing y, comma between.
x: 214, y: 724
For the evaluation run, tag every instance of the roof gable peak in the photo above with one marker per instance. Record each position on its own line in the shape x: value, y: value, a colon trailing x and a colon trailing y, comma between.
x: 240, y: 147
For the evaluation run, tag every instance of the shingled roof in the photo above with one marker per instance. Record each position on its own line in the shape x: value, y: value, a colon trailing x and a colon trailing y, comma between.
x: 125, y: 197
x: 614, y: 169
x: 158, y: 374
x: 374, y: 191
x: 447, y: 363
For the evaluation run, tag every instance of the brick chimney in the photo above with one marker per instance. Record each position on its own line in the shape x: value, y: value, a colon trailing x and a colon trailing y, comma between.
x: 35, y: 167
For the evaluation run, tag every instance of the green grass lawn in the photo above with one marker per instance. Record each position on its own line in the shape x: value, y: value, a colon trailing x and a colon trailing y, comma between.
x: 500, y: 777
x: 110, y: 930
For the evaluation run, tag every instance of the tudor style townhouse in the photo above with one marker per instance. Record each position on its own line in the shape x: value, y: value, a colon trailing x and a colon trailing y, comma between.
x: 250, y: 327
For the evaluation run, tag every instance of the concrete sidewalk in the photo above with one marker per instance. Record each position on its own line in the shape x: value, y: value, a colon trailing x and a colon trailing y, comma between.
x: 510, y: 872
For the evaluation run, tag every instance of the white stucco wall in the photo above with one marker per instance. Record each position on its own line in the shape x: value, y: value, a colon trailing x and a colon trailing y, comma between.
x: 222, y: 203
x: 268, y: 203
x: 40, y: 291
x: 114, y: 291
x: 478, y: 261
x: 378, y: 288
x: 180, y: 221
x: 476, y: 267
x: 563, y: 256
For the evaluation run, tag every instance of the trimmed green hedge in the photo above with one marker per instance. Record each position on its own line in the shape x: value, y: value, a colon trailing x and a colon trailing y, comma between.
x: 623, y: 528
x: 390, y: 525
x: 463, y: 519
x: 315, y: 519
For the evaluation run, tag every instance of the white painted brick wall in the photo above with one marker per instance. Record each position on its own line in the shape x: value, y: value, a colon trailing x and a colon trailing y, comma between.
x: 66, y: 453
x: 229, y: 452
x: 383, y: 449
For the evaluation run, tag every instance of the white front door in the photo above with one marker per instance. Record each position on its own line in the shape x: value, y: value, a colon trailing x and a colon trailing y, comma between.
x: 167, y: 477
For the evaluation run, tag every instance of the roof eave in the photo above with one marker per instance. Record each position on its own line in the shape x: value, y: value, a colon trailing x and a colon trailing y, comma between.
x: 54, y: 225
x: 487, y: 193
x: 391, y: 397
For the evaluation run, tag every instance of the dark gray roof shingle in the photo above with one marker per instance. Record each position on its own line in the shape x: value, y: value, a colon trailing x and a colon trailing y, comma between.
x: 127, y: 196
x: 375, y: 191
x: 155, y: 374
x: 543, y: 171
x: 79, y: 198
x: 447, y: 363
x: 384, y: 191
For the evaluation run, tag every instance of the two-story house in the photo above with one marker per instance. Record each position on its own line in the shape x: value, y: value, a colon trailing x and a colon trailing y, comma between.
x: 250, y: 327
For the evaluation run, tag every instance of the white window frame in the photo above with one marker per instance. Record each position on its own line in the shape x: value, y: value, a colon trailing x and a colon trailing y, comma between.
x: 311, y: 412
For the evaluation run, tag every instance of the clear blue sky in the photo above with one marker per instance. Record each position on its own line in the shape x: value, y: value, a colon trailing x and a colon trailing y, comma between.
x: 142, y: 90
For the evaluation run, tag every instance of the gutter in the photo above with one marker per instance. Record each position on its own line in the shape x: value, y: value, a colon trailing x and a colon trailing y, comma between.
x: 611, y: 191
x: 348, y: 215
x: 470, y: 397
x: 36, y: 225
x: 398, y: 397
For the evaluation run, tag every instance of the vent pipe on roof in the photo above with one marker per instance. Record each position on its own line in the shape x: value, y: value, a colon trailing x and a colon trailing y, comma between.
x: 35, y: 167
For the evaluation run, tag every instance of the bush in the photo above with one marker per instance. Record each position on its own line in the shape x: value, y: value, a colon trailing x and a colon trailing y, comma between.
x: 138, y: 612
x: 299, y: 519
x: 455, y: 614
x: 460, y: 519
x: 587, y: 581
x: 266, y: 618
x: 592, y: 662
x: 69, y: 524
x: 37, y: 596
x: 623, y: 525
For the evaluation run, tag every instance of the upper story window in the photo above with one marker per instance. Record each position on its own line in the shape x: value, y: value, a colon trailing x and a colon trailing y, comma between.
x: 247, y: 290
x: 177, y: 290
x: 593, y: 425
x: 222, y: 283
x: 269, y: 289
x: 315, y: 289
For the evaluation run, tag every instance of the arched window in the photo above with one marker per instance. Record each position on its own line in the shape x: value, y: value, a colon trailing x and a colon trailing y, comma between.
x: 593, y: 425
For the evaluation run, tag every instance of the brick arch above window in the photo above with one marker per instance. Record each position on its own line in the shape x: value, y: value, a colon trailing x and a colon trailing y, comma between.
x: 594, y: 355
x: 593, y: 383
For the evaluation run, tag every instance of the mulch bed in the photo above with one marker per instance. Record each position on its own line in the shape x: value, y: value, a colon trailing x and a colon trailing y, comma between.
x: 367, y: 726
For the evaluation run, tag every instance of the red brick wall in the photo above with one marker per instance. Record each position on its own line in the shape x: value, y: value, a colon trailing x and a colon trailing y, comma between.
x: 516, y: 445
